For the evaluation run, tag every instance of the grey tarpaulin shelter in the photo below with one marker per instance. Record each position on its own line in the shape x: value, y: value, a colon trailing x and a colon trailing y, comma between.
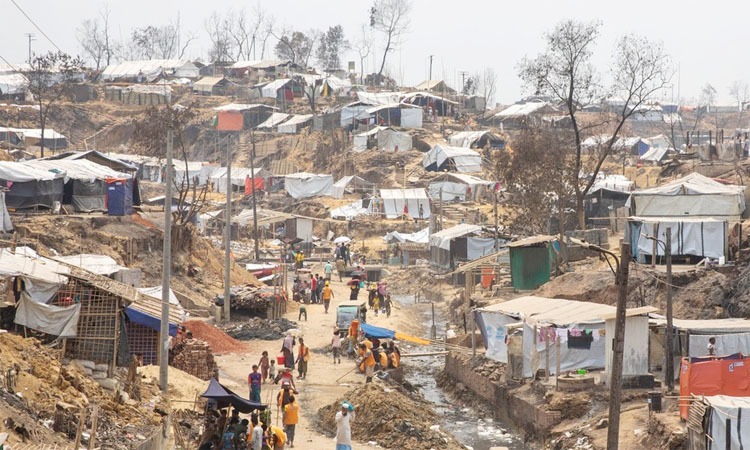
x: 462, y: 242
x: 455, y: 159
x: 29, y: 187
x: 477, y: 139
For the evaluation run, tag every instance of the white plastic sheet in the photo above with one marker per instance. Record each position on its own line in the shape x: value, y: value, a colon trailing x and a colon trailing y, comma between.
x: 304, y: 185
x: 55, y: 320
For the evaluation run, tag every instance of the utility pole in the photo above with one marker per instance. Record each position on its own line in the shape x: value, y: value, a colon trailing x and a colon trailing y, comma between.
x: 618, y: 344
x: 430, y: 77
x: 228, y: 232
x: 669, y: 373
x: 463, y: 74
x: 30, y: 36
x: 252, y: 184
x: 494, y: 212
x: 166, y: 269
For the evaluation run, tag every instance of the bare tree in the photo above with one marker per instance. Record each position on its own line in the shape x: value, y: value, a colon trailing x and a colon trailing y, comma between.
x: 390, y: 17
x: 640, y: 70
x: 487, y: 85
x: 740, y: 92
x: 94, y: 38
x: 158, y: 42
x: 218, y: 28
x: 50, y: 77
x: 363, y: 46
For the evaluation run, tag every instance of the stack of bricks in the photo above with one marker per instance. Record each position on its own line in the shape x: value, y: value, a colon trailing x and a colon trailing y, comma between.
x: 194, y: 356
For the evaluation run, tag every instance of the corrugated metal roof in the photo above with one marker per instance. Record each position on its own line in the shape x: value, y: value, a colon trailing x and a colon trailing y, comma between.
x: 207, y: 82
x: 531, y: 241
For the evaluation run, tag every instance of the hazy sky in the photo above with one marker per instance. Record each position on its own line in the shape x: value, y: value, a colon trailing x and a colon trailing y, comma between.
x: 706, y: 40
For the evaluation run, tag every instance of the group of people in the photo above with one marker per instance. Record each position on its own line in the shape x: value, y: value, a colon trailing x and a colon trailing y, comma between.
x: 378, y: 298
x: 316, y: 290
x: 255, y: 434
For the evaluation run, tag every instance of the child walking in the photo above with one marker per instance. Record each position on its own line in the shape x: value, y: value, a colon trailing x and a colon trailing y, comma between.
x: 263, y: 363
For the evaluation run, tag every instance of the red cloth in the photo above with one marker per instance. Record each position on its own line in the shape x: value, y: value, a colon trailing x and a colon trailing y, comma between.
x: 260, y: 185
x: 229, y: 121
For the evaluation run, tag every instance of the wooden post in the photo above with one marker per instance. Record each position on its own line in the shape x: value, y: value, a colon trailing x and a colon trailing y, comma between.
x: 546, y: 353
x: 79, y: 430
x: 113, y: 363
x: 473, y: 337
x: 94, y: 420
x: 557, y: 372
x: 669, y: 370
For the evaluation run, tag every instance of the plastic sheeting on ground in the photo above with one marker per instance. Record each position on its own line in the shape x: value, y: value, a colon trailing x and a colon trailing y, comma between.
x: 59, y: 321
x: 305, y: 185
x: 349, y: 211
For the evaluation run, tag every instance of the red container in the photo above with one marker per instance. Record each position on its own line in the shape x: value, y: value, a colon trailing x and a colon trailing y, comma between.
x: 280, y: 360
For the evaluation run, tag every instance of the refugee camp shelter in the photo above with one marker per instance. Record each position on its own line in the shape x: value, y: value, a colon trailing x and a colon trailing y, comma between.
x: 607, y: 195
x: 455, y: 159
x: 273, y: 120
x: 477, y: 139
x: 239, y: 176
x: 295, y: 123
x: 695, y: 237
x: 85, y: 186
x: 532, y: 260
x: 635, y: 145
x: 392, y: 114
x: 460, y: 187
x: 439, y: 105
x: 305, y: 185
x: 693, y: 196
x: 257, y: 69
x: 253, y: 114
x: 383, y: 138
x: 13, y: 86
x: 718, y: 422
x: 32, y: 137
x: 150, y: 70
x: 437, y: 86
x: 635, y: 367
x: 522, y: 114
x: 97, y: 157
x: 211, y: 86
x: 29, y: 187
x: 351, y: 184
x: 397, y: 203
x: 460, y: 243
x: 521, y: 331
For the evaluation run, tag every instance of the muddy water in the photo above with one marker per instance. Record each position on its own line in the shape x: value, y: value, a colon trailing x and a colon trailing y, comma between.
x: 474, y: 428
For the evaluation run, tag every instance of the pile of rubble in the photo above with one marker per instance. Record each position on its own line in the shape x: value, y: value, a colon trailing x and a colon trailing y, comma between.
x: 390, y: 418
x: 257, y: 328
x: 194, y: 356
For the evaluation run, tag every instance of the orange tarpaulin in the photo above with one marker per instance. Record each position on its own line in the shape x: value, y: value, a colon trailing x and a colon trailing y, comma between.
x: 260, y: 185
x: 719, y: 375
x: 229, y: 121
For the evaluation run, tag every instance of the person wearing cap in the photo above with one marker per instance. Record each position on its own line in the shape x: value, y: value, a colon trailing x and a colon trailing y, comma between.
x: 327, y: 295
x: 328, y: 270
x: 343, y: 426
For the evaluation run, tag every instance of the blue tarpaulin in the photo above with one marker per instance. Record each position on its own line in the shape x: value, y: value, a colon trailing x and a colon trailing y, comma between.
x: 224, y: 397
x: 147, y: 320
x: 377, y: 332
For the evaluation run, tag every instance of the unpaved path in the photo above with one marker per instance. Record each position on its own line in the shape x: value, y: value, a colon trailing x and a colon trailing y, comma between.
x: 321, y: 386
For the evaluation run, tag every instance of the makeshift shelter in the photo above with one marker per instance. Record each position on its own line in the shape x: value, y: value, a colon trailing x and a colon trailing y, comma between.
x: 477, y: 139
x: 351, y: 183
x: 607, y: 195
x: 97, y: 157
x: 718, y: 422
x: 252, y: 114
x: 455, y: 159
x: 305, y: 185
x: 420, y: 237
x: 352, y: 210
x: 273, y: 120
x: 532, y: 260
x: 150, y: 70
x: 691, y: 336
x: 295, y: 123
x: 521, y: 331
x: 437, y: 86
x: 13, y: 86
x: 32, y: 137
x: 441, y: 106
x: 713, y: 375
x: 120, y: 197
x: 334, y: 86
x: 277, y: 89
x: 396, y: 203
x: 522, y: 114
x: 693, y: 196
x: 256, y: 69
x: 211, y: 86
x: 463, y: 242
x: 239, y: 175
x: 224, y: 398
x: 390, y: 115
x: 29, y: 187
x: 85, y: 182
x: 697, y: 237
x: 378, y: 98
x: 656, y: 155
x: 459, y: 187
x: 5, y: 223
x: 383, y: 138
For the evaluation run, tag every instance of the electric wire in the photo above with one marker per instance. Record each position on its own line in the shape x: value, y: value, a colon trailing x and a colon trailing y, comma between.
x: 35, y: 25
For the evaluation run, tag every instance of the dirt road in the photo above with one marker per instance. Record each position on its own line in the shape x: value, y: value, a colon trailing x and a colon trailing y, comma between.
x: 320, y: 387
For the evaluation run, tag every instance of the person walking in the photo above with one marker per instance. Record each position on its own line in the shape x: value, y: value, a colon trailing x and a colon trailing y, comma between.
x: 290, y: 420
x: 302, y: 358
x: 264, y: 365
x: 313, y: 289
x: 254, y: 380
x: 336, y: 346
x: 343, y: 426
x: 340, y: 267
x: 256, y: 437
x: 328, y: 270
x: 326, y: 295
x: 287, y: 349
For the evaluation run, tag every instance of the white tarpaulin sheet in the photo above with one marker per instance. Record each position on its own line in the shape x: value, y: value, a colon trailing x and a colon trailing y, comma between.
x: 727, y: 409
x: 697, y: 237
x: 360, y: 140
x: 297, y: 121
x: 420, y: 237
x: 411, y: 117
x: 156, y: 291
x: 13, y: 83
x: 304, y: 185
x: 273, y: 120
x: 5, y: 223
x: 726, y: 344
x: 395, y: 199
x: 348, y: 113
x: 20, y: 173
x: 339, y: 188
x: 239, y: 175
x: 379, y: 98
x: 447, y: 190
x: 535, y: 350
x: 478, y: 247
x: 495, y: 333
x: 77, y: 169
x: 693, y: 195
x: 42, y: 277
x: 270, y: 90
x: 462, y: 159
x: 59, y: 321
x: 442, y: 239
x: 150, y: 69
x: 98, y: 264
x: 392, y: 140
x: 349, y: 211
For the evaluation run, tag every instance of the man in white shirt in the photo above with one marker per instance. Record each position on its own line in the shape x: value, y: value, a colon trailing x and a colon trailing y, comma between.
x: 256, y: 442
x: 343, y: 427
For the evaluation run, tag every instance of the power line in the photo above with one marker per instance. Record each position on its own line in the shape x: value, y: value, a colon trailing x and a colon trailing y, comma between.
x: 9, y: 64
x: 35, y: 25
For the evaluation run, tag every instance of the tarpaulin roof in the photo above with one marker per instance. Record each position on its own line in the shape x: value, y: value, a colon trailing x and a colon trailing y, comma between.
x: 692, y: 184
x: 275, y: 119
x: 13, y: 83
x: 149, y: 68
x: 259, y: 64
x: 395, y: 199
x: 712, y: 326
x: 270, y: 89
x: 443, y: 238
x: 340, y: 186
x: 553, y: 311
x: 290, y: 126
x: 464, y: 159
x: 420, y: 237
x: 242, y: 107
x: 18, y: 172
x: 303, y: 185
x: 225, y: 397
x: 524, y: 109
x: 77, y: 169
x: 385, y: 333
x: 379, y: 98
x: 468, y: 138
x: 206, y: 83
x: 99, y: 264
